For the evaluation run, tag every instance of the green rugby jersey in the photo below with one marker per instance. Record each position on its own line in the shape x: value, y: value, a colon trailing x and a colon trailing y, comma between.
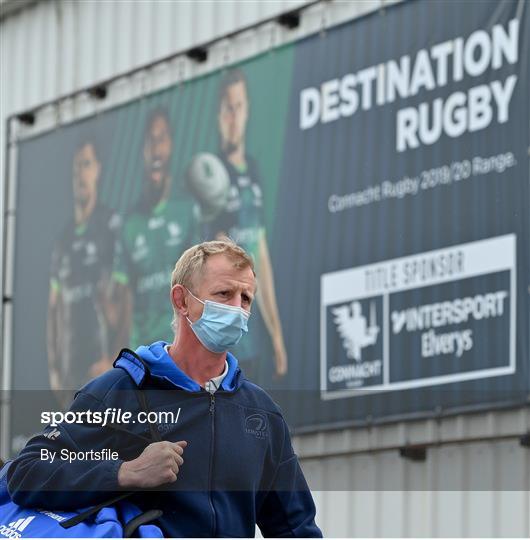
x: 151, y: 244
x: 242, y: 218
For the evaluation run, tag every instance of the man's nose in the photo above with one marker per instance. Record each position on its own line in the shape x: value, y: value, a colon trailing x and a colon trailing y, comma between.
x: 236, y: 301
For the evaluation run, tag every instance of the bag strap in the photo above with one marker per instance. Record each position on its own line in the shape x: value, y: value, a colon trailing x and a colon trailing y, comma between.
x: 155, y: 437
x: 140, y: 395
x: 142, y: 519
x: 153, y: 428
x: 76, y: 520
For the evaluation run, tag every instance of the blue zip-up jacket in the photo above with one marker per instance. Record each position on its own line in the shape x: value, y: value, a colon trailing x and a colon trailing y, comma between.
x: 239, y: 467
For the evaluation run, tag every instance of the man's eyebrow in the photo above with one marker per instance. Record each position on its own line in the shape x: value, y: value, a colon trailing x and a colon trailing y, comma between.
x: 220, y: 286
x: 227, y: 286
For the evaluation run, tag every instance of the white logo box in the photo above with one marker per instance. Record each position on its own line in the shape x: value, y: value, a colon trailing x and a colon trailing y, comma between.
x: 472, y: 259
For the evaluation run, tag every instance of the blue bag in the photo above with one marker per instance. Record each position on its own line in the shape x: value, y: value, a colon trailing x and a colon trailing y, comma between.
x: 122, y: 519
x: 115, y: 518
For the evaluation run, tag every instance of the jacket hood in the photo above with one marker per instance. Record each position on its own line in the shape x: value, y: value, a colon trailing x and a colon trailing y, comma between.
x: 155, y: 360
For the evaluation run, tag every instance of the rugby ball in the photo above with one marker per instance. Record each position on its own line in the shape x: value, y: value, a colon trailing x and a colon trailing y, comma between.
x: 208, y: 181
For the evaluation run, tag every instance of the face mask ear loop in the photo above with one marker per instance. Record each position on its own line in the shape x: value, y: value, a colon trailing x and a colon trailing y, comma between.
x: 198, y: 300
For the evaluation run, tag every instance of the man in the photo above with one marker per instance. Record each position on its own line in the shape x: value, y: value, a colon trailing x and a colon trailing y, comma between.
x: 242, y: 218
x: 238, y: 469
x: 78, y: 329
x: 156, y: 230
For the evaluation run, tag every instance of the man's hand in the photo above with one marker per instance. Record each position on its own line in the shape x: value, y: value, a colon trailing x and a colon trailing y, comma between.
x: 158, y: 464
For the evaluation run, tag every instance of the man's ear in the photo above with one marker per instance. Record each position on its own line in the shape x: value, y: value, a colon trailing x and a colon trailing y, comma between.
x: 179, y: 299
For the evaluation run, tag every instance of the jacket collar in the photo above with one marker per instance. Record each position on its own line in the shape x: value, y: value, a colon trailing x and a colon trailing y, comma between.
x: 154, y: 361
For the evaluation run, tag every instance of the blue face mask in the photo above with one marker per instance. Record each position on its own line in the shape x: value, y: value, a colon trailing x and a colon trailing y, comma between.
x: 220, y: 326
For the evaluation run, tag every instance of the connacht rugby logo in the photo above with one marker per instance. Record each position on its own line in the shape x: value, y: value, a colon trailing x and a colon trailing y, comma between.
x: 353, y: 328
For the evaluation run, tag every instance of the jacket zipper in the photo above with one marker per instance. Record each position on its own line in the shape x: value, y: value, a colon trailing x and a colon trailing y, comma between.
x: 212, y: 417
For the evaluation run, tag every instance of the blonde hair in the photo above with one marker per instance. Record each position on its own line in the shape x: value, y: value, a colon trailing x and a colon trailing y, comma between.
x: 190, y: 266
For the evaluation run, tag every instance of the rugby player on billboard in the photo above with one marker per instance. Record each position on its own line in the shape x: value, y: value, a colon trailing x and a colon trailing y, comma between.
x: 78, y: 331
x: 238, y: 212
x: 154, y: 233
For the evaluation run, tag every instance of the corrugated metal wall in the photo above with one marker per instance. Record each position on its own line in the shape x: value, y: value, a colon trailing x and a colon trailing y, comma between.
x: 56, y: 47
x: 475, y: 480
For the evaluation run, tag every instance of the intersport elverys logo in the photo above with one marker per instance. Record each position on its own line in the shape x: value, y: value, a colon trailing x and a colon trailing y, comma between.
x: 15, y: 528
x: 256, y: 424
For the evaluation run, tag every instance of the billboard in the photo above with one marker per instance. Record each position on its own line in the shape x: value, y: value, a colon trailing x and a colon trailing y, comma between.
x: 377, y: 173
